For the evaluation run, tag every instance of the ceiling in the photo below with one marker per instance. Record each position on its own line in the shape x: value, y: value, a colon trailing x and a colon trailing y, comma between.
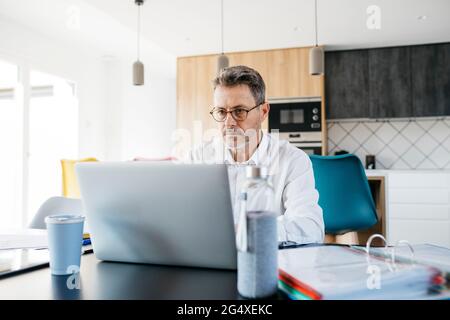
x: 192, y: 27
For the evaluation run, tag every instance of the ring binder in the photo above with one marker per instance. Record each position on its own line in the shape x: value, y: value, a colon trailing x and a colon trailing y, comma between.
x: 397, y: 244
x: 391, y: 264
x: 338, y: 272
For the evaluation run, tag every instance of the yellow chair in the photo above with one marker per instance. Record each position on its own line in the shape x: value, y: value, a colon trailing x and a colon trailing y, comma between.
x: 70, y: 186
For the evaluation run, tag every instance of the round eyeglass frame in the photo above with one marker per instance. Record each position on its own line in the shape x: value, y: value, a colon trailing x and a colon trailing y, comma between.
x: 231, y: 111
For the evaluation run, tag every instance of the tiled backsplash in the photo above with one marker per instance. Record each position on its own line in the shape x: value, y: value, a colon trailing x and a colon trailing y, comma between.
x: 420, y: 143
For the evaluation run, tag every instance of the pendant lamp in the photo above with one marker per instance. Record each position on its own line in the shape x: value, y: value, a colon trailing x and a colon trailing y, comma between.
x: 316, y: 54
x: 222, y: 61
x: 138, y: 66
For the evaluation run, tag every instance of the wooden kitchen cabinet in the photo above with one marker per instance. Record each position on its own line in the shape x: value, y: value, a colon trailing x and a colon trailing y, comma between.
x: 194, y: 92
x: 288, y: 74
x: 285, y: 72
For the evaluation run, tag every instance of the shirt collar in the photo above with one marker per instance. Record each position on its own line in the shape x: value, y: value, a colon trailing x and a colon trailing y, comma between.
x: 257, y: 157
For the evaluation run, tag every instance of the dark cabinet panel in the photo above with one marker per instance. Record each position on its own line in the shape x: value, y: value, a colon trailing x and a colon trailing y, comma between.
x: 430, y: 66
x: 409, y: 81
x: 346, y: 84
x: 390, y: 82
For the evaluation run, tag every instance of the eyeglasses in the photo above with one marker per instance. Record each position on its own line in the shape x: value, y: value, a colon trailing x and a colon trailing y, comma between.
x: 238, y: 114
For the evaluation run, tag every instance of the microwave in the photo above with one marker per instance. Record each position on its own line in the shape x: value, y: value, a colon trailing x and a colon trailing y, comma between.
x: 296, y: 114
x: 299, y: 121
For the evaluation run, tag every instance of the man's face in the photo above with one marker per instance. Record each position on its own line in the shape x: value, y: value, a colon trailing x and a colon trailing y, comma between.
x: 238, y: 134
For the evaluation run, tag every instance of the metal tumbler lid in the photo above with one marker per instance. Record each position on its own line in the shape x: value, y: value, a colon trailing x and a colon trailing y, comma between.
x: 256, y: 172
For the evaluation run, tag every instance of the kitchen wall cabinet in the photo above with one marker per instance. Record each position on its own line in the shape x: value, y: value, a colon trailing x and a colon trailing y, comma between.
x: 389, y: 83
x: 409, y: 81
x: 430, y: 68
x: 347, y: 84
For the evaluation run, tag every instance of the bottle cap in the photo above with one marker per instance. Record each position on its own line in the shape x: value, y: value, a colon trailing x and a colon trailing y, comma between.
x: 256, y: 172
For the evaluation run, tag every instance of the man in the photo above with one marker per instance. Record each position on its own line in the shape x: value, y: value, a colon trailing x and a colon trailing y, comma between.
x: 239, y: 109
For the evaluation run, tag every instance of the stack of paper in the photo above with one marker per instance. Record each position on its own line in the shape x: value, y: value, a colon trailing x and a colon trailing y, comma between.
x: 25, y: 238
x: 426, y: 254
x: 337, y: 272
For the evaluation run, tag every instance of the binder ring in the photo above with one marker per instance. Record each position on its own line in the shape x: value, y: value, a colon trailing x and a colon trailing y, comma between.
x: 369, y: 242
x: 412, y: 258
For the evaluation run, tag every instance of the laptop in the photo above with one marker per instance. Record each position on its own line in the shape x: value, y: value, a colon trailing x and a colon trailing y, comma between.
x: 159, y: 213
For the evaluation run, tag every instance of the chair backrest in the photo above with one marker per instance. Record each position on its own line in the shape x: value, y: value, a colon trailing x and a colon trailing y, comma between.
x: 344, y: 193
x: 70, y: 186
x: 55, y: 205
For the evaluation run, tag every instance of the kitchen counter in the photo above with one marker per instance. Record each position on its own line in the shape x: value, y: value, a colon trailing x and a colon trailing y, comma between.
x: 384, y: 172
x: 417, y: 205
x: 411, y: 204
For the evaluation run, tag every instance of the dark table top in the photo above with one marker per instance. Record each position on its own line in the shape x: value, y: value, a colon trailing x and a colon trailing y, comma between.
x: 113, y: 280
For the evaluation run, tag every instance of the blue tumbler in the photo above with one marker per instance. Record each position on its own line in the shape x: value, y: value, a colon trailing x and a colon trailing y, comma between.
x: 65, y: 237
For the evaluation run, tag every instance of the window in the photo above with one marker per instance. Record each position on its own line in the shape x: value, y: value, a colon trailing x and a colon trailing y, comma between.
x: 11, y: 148
x: 35, y: 134
x: 53, y: 135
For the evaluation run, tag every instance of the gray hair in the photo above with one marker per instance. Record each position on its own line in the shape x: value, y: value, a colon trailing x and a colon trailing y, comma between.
x: 237, y: 75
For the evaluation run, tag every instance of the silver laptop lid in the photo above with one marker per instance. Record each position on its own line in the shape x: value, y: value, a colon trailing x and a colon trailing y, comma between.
x: 161, y: 213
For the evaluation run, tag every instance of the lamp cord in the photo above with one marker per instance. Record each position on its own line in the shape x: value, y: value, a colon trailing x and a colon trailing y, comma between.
x: 138, y: 32
x: 315, y: 10
x: 221, y: 23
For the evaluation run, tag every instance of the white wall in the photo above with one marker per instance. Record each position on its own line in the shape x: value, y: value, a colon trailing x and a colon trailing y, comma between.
x: 118, y: 121
x: 149, y: 111
x: 140, y: 119
x: 24, y: 46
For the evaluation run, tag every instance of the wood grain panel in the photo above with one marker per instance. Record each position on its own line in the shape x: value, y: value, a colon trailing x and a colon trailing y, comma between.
x: 285, y: 72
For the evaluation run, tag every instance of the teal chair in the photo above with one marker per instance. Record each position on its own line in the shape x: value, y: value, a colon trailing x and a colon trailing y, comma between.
x: 344, y: 193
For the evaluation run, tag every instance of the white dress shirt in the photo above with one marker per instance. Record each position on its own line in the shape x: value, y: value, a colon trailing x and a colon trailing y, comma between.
x: 300, y: 217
